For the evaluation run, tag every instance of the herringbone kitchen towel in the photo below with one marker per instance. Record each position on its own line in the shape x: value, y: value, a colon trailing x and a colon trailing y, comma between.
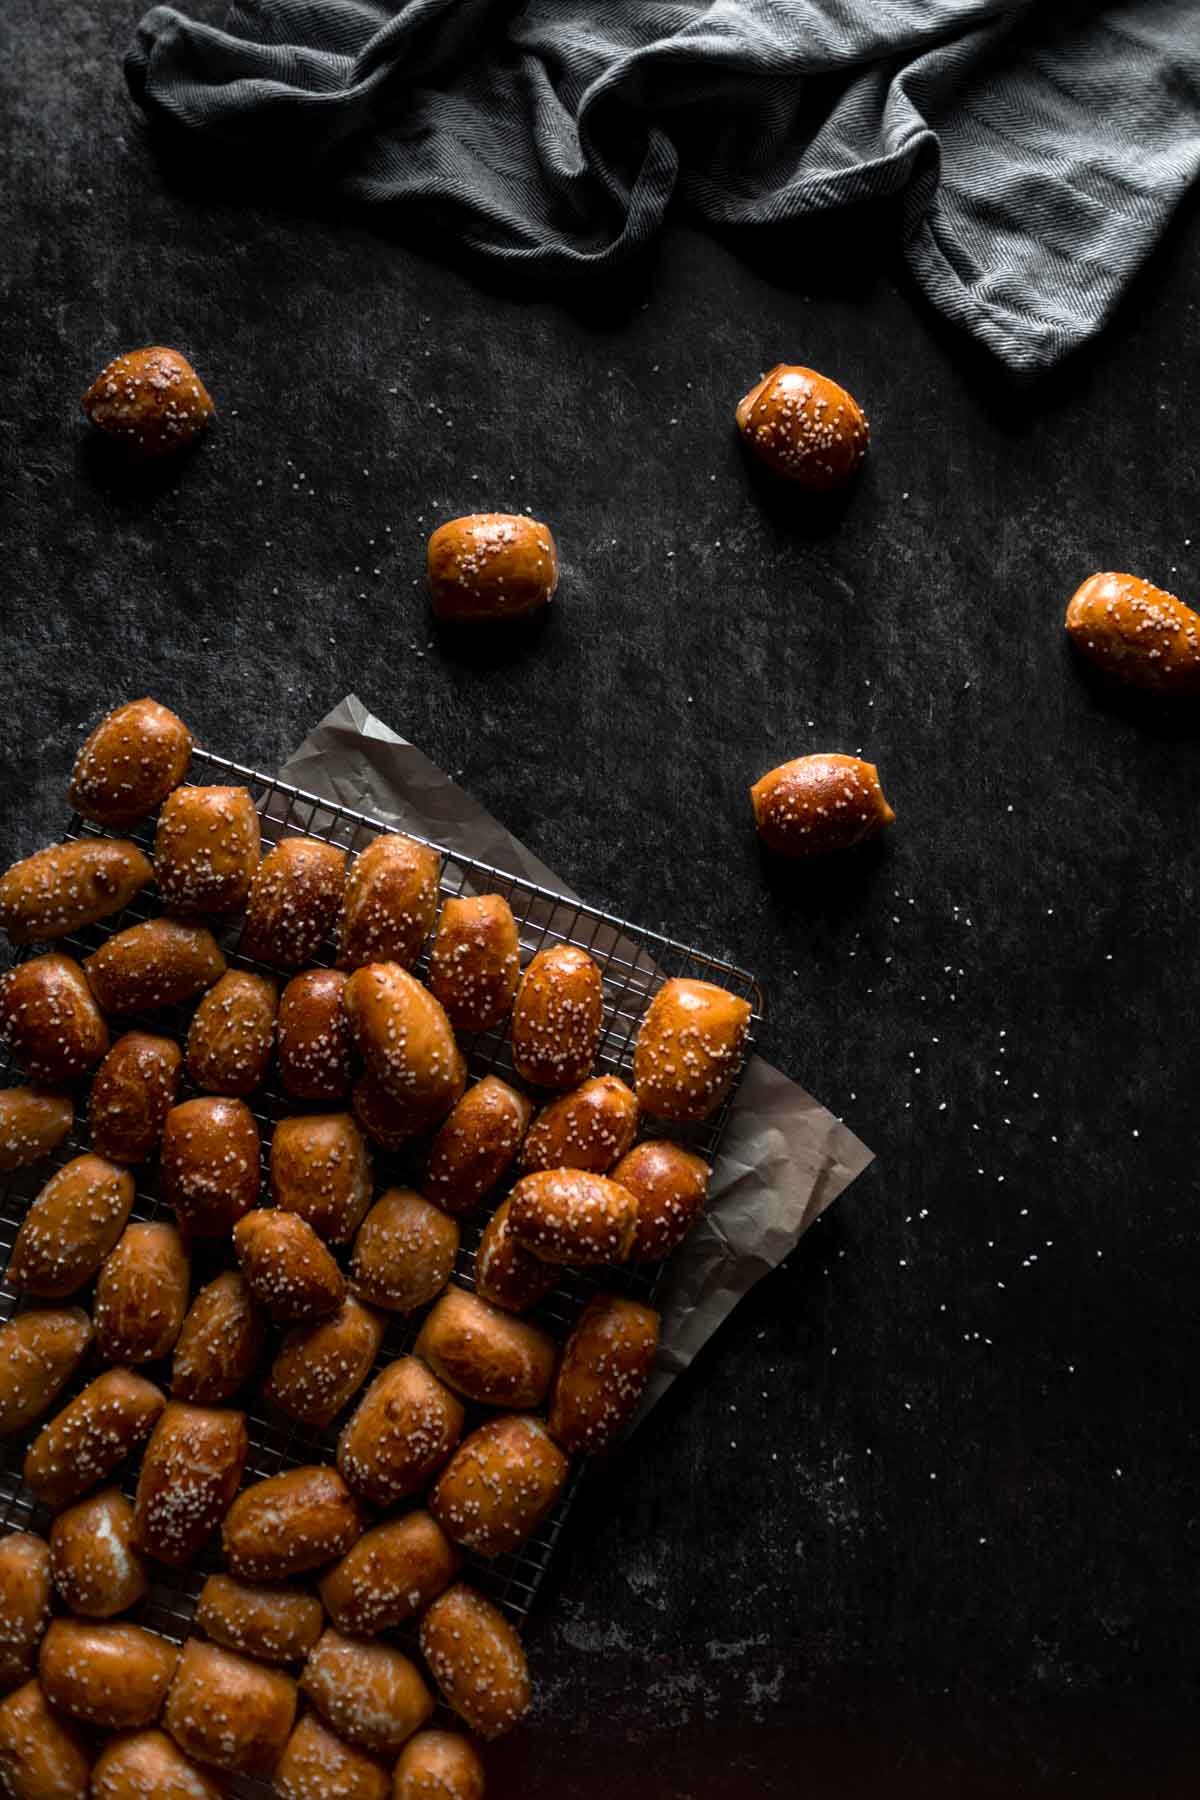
x: 1040, y: 147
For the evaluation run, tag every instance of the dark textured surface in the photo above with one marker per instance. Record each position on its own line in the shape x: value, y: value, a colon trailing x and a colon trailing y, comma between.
x: 922, y: 1520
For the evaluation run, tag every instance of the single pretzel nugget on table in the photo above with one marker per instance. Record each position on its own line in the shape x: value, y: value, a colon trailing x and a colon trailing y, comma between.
x: 804, y: 427
x: 1137, y: 633
x: 819, y: 805
x: 161, y: 962
x: 273, y: 1623
x: 317, y: 1765
x: 488, y: 567
x: 369, y: 1693
x: 557, y: 1018
x: 33, y: 1123
x: 288, y: 1269
x: 92, y: 1435
x: 404, y: 1252
x: 389, y: 904
x: 320, y: 1367
x: 98, y: 1569
x: 291, y: 1523
x: 142, y: 1294
x: 400, y: 1434
x: 321, y: 1170
x: 219, y: 1343
x: 477, y: 1661
x: 42, y: 1755
x: 229, y: 1712
x: 71, y: 1226
x: 129, y: 763
x: 603, y: 1371
x: 475, y: 1144
x: 294, y: 901
x: 50, y: 1019
x: 485, y: 1354
x: 211, y: 1163
x: 391, y: 1574
x: 132, y: 1092
x: 475, y: 961
x: 108, y: 1673
x: 499, y: 1485
x: 689, y: 1048
x: 150, y: 401
x: 232, y: 1034
x: 206, y: 849
x: 40, y: 1350
x: 190, y: 1472
x: 24, y: 1603
x: 587, y: 1129
x: 58, y: 891
x: 315, y: 1048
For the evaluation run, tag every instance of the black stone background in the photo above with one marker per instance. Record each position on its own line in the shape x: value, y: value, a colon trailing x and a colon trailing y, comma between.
x: 922, y: 1520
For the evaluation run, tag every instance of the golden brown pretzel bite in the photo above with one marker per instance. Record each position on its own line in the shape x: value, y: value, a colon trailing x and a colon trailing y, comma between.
x: 190, y: 1473
x: 390, y: 903
x: 321, y: 1169
x: 401, y: 1432
x: 40, y: 1350
x: 477, y: 1661
x: 475, y: 961
x: 499, y: 1485
x: 485, y: 1354
x: 92, y: 1436
x: 605, y: 1365
x: 142, y: 1294
x: 59, y: 890
x: 132, y: 1092
x: 71, y: 1227
x: 33, y: 1123
x: 369, y: 1693
x: 557, y: 1017
x: 150, y: 401
x: 98, y: 1569
x: 804, y: 427
x: 232, y: 1034
x: 219, y: 1342
x: 291, y: 1523
x: 817, y: 805
x: 688, y: 1049
x: 49, y: 1018
x: 206, y: 849
x: 475, y: 1144
x: 24, y: 1603
x: 316, y: 1051
x: 161, y: 962
x: 294, y: 900
x: 130, y: 763
x: 389, y: 1575
x: 487, y: 567
x: 229, y: 1712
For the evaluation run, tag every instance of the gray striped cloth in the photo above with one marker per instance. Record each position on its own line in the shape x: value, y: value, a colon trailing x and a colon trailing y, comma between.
x: 1038, y: 148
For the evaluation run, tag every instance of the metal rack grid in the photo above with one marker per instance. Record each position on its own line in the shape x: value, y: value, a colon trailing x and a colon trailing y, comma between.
x: 633, y: 964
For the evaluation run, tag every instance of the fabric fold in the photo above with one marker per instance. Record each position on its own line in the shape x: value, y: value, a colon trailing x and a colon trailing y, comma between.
x: 1039, y: 151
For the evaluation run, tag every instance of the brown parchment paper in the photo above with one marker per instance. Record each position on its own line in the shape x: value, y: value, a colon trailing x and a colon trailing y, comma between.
x: 783, y: 1156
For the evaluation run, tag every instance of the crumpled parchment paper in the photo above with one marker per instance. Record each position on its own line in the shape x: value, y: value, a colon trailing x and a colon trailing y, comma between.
x: 783, y: 1157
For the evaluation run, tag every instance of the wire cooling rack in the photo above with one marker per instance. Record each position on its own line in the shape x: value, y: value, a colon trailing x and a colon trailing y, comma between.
x: 633, y: 963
